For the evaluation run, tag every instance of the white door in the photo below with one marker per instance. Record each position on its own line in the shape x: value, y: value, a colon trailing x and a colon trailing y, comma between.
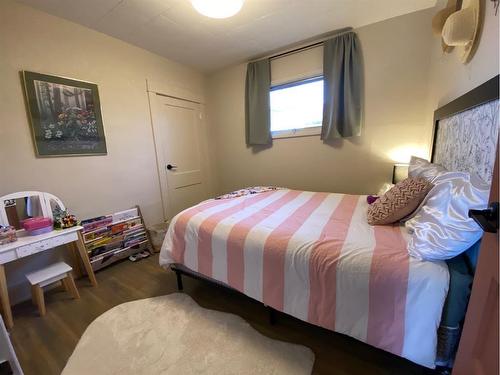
x: 178, y: 134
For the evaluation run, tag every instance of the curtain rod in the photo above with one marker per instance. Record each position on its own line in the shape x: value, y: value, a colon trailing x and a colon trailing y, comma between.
x: 311, y: 44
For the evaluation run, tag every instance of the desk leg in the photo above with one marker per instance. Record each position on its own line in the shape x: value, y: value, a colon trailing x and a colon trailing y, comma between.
x: 4, y: 297
x: 85, y: 259
x: 77, y: 269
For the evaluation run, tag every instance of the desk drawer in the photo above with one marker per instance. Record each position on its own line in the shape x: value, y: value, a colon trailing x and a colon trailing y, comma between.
x: 46, y: 244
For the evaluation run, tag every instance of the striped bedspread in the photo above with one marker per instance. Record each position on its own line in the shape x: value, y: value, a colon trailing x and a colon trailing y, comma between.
x: 313, y: 256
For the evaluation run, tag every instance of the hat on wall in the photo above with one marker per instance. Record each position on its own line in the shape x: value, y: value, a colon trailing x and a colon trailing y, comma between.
x: 461, y: 29
x: 439, y: 20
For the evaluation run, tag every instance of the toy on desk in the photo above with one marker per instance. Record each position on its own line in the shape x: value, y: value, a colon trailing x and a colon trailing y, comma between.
x: 7, y: 234
x: 62, y: 219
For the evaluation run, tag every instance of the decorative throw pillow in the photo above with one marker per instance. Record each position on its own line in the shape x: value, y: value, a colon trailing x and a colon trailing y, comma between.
x: 248, y: 191
x: 441, y: 228
x: 421, y: 168
x: 398, y: 202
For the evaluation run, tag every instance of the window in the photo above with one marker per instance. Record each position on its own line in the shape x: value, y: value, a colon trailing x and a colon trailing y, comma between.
x: 297, y: 108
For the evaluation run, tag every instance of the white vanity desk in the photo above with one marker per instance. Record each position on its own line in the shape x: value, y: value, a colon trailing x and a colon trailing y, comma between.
x: 28, y: 245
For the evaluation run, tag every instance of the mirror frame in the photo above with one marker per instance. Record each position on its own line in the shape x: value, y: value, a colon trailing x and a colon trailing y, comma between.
x: 45, y: 200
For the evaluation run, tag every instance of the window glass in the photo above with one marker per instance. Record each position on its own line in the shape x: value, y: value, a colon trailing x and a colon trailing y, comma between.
x: 298, y: 105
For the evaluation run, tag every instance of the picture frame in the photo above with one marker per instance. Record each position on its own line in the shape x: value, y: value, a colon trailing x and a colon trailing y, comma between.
x: 64, y: 115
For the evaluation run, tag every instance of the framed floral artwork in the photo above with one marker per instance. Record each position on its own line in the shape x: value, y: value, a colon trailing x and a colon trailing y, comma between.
x: 65, y: 116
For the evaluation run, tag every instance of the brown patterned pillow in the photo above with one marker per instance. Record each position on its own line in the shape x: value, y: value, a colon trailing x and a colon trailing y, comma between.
x: 398, y: 202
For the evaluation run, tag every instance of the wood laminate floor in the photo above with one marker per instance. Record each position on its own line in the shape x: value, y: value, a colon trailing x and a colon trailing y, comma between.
x: 43, y: 345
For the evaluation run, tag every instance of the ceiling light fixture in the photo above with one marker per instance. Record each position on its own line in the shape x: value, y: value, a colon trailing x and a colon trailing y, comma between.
x: 218, y: 8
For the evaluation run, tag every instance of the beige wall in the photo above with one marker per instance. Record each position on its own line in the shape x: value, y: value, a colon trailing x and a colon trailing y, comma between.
x: 449, y: 78
x: 92, y: 185
x: 397, y: 58
x: 407, y: 77
x: 32, y: 40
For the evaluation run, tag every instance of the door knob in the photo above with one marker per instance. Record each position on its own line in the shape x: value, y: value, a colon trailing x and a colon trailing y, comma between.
x: 487, y: 219
x: 171, y: 167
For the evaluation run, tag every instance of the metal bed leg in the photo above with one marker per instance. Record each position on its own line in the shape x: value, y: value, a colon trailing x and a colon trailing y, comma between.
x: 179, y: 281
x: 272, y: 315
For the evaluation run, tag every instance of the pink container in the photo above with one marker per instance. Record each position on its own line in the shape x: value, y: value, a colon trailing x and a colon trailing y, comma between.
x: 36, y: 232
x: 37, y: 225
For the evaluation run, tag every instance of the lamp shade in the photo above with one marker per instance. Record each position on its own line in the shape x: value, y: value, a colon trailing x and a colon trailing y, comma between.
x: 399, y: 172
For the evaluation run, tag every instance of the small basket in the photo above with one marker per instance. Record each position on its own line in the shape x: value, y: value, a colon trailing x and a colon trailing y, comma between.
x: 157, y: 233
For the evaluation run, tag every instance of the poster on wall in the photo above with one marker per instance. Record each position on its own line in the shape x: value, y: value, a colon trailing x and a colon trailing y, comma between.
x: 65, y: 116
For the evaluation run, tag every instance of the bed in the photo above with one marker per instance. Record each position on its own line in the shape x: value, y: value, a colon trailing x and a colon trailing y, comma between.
x: 312, y: 255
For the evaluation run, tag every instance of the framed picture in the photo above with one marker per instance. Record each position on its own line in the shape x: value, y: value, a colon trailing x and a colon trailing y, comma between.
x: 65, y: 116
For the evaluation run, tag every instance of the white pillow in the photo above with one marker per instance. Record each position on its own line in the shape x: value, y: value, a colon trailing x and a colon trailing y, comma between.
x: 422, y: 168
x: 441, y: 228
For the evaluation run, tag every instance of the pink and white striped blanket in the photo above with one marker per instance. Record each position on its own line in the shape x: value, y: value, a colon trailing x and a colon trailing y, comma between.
x: 313, y: 256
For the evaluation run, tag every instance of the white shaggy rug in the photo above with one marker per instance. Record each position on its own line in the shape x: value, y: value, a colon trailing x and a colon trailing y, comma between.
x: 173, y: 335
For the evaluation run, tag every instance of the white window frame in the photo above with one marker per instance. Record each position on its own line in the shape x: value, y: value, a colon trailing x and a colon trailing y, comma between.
x: 300, y: 132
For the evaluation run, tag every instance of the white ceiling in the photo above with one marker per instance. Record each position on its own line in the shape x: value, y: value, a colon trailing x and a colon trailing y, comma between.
x: 173, y: 29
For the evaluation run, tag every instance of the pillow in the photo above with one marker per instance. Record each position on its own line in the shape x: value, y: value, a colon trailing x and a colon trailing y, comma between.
x: 441, y: 228
x: 398, y: 202
x: 421, y: 168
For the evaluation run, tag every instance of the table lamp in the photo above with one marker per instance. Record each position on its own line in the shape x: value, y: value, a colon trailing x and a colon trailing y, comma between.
x: 399, y: 172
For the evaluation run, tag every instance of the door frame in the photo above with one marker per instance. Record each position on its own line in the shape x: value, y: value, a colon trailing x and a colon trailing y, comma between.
x: 474, y: 327
x: 155, y: 89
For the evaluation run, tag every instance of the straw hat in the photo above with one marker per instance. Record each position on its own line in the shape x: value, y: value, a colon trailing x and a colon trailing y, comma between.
x: 461, y: 29
x: 439, y: 20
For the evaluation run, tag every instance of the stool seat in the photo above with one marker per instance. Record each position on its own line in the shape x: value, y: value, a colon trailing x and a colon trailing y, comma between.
x: 45, y: 275
x: 59, y: 271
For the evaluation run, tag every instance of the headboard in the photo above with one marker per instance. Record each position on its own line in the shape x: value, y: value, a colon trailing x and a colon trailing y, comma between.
x: 466, y: 131
x: 465, y: 137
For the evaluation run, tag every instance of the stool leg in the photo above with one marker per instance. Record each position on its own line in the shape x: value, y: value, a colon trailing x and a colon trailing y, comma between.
x: 39, y: 299
x: 69, y: 284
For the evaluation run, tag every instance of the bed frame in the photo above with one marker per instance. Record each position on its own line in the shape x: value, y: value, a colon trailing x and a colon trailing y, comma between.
x: 475, y: 103
x: 180, y: 270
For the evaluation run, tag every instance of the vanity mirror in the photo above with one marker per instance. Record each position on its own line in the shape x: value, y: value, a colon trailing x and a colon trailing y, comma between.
x: 20, y: 209
x: 16, y: 207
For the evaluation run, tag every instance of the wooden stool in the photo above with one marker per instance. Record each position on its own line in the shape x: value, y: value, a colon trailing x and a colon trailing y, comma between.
x: 56, y: 272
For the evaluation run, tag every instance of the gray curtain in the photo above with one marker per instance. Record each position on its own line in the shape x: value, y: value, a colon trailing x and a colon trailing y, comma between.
x: 257, y: 103
x: 343, y: 87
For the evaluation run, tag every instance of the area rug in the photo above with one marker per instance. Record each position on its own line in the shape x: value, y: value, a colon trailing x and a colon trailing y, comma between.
x: 173, y: 335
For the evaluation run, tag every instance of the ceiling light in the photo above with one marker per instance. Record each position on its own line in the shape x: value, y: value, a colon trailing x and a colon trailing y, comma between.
x: 218, y: 8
